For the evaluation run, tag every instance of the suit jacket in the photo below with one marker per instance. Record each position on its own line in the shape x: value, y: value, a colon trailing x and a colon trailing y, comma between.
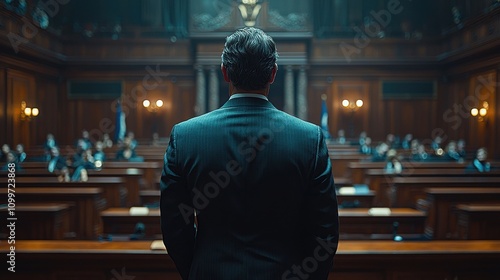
x: 261, y: 184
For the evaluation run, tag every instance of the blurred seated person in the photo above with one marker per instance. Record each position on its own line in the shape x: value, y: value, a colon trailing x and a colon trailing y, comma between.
x: 479, y: 164
x: 421, y: 154
x: 461, y: 148
x: 5, y: 151
x: 393, y: 164
x: 99, y: 154
x: 380, y: 153
x: 10, y: 159
x: 133, y: 141
x: 107, y: 142
x: 81, y: 161
x: 366, y: 147
x: 406, y: 143
x: 436, y: 145
x: 451, y: 152
x: 362, y: 138
x: 156, y: 140
x: 20, y: 154
x: 86, y: 140
x: 50, y: 143
x: 58, y: 165
x: 126, y: 152
x: 341, y: 137
x: 390, y: 140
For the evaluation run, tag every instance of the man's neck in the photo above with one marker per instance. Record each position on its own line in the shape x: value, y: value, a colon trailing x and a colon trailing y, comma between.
x: 252, y: 95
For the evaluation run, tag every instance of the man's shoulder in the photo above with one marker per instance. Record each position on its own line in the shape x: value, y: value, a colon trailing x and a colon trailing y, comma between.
x: 276, y: 116
x: 296, y: 122
x: 198, y: 120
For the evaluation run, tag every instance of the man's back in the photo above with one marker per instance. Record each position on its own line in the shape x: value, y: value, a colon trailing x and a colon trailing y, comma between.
x: 259, y: 180
x: 251, y: 168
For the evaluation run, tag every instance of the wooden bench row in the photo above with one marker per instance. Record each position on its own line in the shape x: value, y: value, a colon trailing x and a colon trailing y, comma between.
x: 85, y: 206
x: 357, y: 171
x: 85, y: 209
x: 151, y: 171
x: 354, y: 223
x: 355, y: 260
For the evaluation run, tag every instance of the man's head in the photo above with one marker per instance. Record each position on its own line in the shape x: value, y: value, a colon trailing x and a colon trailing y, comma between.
x: 249, y: 60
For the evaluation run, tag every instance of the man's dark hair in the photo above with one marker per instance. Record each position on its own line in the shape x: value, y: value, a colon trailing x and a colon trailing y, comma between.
x: 249, y: 56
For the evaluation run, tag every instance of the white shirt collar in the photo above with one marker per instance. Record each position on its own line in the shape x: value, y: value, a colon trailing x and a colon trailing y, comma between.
x: 254, y: 95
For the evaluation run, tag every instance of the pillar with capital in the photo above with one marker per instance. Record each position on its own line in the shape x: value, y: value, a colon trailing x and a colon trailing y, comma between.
x: 201, y: 93
x: 289, y: 105
x: 213, y: 89
x: 302, y: 94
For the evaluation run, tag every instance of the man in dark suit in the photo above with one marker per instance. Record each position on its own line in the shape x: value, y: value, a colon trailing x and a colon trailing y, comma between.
x: 258, y: 180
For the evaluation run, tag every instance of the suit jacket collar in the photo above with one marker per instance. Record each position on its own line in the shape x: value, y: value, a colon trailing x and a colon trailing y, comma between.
x: 247, y: 102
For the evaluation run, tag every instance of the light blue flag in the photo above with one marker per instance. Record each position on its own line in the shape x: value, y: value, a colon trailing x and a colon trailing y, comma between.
x: 324, y: 119
x: 121, y: 125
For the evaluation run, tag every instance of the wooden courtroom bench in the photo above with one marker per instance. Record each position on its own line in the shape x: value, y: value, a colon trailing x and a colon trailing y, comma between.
x: 360, y: 224
x: 355, y: 200
x: 352, y: 221
x: 132, y: 178
x: 151, y: 169
x: 358, y: 260
x: 36, y: 220
x: 113, y: 187
x: 405, y: 191
x: 150, y: 197
x: 357, y: 169
x: 364, y: 200
x: 478, y: 221
x: 441, y: 206
x: 380, y: 180
x: 84, y: 213
x: 119, y: 221
x: 341, y: 161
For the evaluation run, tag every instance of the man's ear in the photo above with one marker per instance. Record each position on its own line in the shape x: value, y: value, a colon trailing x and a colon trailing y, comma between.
x: 273, y: 73
x: 224, y: 73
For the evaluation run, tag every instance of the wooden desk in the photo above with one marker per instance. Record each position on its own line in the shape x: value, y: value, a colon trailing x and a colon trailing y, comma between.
x: 114, y: 190
x: 478, y: 221
x: 363, y: 200
x: 132, y: 178
x: 342, y: 181
x: 405, y: 191
x: 440, y: 223
x: 119, y: 221
x: 359, y: 221
x: 380, y: 180
x: 151, y: 169
x: 85, y: 220
x: 356, y: 170
x: 36, y: 221
x: 355, y: 260
x: 341, y: 161
x: 149, y: 197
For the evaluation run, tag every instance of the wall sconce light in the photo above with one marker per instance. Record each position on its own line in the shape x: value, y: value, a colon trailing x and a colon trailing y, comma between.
x: 152, y: 107
x: 352, y: 105
x: 27, y: 113
x: 481, y: 112
x: 249, y: 10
